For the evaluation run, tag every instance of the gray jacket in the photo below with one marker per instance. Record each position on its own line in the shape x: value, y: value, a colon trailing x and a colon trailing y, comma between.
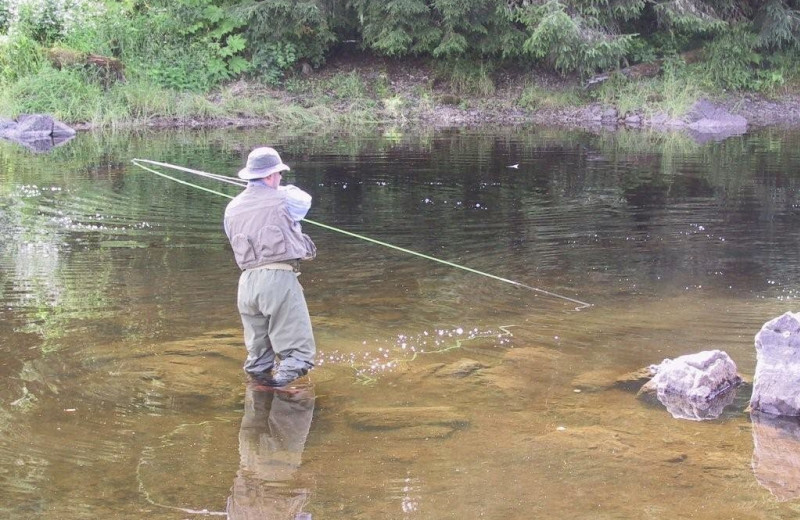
x: 261, y: 230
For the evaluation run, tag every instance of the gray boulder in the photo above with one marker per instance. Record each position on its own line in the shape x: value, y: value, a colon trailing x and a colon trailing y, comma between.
x: 776, y: 383
x: 37, y: 132
x: 60, y: 130
x: 6, y: 125
x: 695, y: 386
x: 707, y: 121
x: 34, y: 126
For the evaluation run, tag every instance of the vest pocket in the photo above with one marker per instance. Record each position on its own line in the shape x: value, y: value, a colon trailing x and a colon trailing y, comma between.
x: 271, y: 242
x: 311, y: 249
x: 242, y: 249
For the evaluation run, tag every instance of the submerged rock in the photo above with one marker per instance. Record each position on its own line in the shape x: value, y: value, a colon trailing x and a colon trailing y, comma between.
x: 408, y: 421
x: 461, y: 368
x: 777, y: 376
x: 605, y: 378
x: 634, y: 380
x: 594, y: 380
x: 522, y: 366
x: 776, y: 454
x: 695, y: 386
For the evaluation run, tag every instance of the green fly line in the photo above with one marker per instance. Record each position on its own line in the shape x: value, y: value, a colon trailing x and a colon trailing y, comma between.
x: 230, y: 180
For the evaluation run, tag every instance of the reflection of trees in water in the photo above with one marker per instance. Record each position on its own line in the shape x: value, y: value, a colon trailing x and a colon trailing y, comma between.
x: 76, y: 228
x: 571, y: 186
x: 574, y: 199
x: 638, y: 205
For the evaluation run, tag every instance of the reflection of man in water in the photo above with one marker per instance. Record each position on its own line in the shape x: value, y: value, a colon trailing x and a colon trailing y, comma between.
x: 271, y: 440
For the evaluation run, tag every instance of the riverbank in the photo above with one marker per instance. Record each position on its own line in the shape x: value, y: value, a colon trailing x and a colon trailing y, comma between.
x: 351, y: 94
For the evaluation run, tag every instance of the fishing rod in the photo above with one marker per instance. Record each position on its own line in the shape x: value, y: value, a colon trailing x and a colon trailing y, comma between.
x: 242, y: 183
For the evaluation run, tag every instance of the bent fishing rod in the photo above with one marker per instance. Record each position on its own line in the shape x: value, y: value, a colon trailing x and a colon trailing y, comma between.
x: 243, y: 183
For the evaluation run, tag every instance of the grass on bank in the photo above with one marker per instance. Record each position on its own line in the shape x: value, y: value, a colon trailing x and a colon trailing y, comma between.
x: 669, y: 94
x: 338, y: 99
x: 74, y: 96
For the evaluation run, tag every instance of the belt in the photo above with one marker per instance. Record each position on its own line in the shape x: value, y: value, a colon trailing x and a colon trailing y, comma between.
x: 289, y: 265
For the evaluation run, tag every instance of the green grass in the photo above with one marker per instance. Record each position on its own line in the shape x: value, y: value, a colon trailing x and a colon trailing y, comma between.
x: 65, y: 94
x: 673, y: 93
x: 72, y: 97
x: 339, y: 86
x: 327, y: 102
x: 467, y: 78
x: 534, y: 97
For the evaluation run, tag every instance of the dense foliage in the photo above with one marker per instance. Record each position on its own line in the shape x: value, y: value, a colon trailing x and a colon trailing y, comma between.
x: 197, y: 45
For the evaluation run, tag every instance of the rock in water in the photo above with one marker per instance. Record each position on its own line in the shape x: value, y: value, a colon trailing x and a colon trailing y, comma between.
x: 708, y: 118
x: 37, y: 132
x: 777, y: 377
x: 34, y: 126
x: 697, y: 409
x: 695, y: 386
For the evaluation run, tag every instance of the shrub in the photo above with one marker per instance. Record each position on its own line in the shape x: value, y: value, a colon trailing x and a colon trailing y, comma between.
x: 732, y: 60
x: 571, y: 44
x: 281, y: 33
x: 5, y: 16
x: 47, y: 21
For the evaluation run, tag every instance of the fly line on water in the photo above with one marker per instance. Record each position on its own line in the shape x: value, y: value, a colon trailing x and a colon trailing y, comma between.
x: 242, y: 183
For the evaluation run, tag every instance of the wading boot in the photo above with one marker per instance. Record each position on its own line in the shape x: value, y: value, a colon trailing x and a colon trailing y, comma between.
x: 282, y: 377
x: 259, y: 377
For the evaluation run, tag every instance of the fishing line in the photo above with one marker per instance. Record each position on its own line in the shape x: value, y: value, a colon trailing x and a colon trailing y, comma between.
x: 223, y: 178
x: 229, y: 180
x: 146, y: 460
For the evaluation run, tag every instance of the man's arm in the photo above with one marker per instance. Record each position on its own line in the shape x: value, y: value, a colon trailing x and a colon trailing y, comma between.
x: 298, y: 202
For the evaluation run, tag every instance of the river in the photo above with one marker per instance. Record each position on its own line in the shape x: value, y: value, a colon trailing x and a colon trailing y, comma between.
x: 439, y: 392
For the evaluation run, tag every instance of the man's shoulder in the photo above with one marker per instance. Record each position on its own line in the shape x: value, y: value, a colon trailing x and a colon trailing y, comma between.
x: 235, y: 201
x: 255, y: 195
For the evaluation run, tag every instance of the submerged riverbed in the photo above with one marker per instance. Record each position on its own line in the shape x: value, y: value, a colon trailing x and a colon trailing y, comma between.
x: 439, y: 393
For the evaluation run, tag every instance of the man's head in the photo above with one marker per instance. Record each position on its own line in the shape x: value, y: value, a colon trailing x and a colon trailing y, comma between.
x: 261, y: 163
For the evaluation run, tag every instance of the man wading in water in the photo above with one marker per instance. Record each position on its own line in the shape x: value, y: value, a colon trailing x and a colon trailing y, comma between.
x: 263, y: 226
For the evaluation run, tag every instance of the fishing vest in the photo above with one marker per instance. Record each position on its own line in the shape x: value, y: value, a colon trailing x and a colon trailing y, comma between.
x: 261, y: 231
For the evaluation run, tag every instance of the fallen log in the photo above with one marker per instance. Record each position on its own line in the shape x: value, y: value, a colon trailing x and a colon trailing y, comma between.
x: 109, y: 70
x: 643, y: 70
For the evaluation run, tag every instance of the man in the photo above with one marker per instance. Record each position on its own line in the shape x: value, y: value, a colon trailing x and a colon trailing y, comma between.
x: 263, y: 226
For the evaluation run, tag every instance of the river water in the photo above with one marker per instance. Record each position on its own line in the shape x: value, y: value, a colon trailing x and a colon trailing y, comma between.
x: 439, y: 392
